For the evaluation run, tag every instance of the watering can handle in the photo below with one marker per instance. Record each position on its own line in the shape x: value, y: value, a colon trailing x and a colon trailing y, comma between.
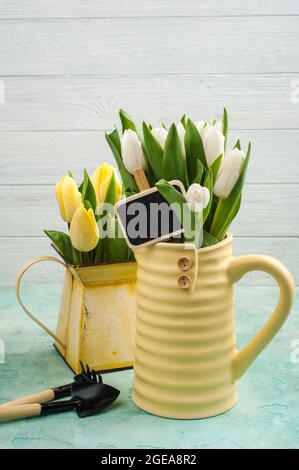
x: 18, y: 283
x: 241, y: 265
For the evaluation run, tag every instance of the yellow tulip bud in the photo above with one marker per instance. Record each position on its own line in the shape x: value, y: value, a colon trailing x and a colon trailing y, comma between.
x: 68, y: 197
x: 101, y: 178
x: 84, y: 230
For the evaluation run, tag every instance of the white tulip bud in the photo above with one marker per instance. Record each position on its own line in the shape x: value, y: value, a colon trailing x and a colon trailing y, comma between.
x: 181, y: 132
x: 201, y: 127
x: 160, y: 134
x: 229, y: 172
x: 213, y: 143
x: 131, y: 151
x: 197, y: 197
x: 218, y: 125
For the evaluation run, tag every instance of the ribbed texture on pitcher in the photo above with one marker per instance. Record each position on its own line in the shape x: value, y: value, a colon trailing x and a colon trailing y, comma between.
x: 185, y: 334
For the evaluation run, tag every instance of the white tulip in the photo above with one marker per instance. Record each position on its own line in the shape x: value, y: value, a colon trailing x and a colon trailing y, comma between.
x: 229, y: 172
x: 160, y: 134
x: 201, y: 127
x: 213, y: 143
x: 197, y: 197
x: 218, y: 125
x: 181, y: 132
x: 131, y: 151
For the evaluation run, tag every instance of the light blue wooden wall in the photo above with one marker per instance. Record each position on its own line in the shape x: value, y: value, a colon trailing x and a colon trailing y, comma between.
x: 68, y: 65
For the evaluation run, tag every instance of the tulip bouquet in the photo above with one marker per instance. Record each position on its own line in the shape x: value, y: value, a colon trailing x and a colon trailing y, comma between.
x: 83, y: 208
x: 194, y: 153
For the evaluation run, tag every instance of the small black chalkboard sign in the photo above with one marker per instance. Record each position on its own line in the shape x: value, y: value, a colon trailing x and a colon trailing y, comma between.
x: 146, y: 218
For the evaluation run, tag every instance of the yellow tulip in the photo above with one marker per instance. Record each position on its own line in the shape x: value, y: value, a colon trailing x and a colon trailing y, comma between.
x: 101, y: 179
x: 84, y: 230
x: 68, y: 197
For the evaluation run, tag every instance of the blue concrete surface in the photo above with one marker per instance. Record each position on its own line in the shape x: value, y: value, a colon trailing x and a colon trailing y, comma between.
x: 266, y: 416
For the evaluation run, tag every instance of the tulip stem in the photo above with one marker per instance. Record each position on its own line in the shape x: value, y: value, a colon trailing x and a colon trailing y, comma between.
x: 215, y: 229
x: 86, y: 258
x: 79, y: 255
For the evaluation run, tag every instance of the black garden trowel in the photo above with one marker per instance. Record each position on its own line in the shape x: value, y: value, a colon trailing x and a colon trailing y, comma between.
x: 87, y: 399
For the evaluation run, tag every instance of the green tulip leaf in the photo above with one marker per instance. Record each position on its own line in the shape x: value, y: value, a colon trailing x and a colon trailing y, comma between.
x: 98, y: 252
x: 194, y: 149
x: 238, y: 145
x: 183, y: 120
x: 150, y: 175
x: 199, y: 172
x: 149, y: 172
x: 154, y: 152
x: 189, y: 219
x: 171, y: 194
x: 225, y: 126
x: 111, y: 195
x: 115, y: 247
x: 209, y: 219
x: 208, y: 239
x: 63, y: 242
x: 232, y: 215
x: 126, y: 121
x: 114, y: 136
x: 114, y: 143
x: 131, y: 256
x: 208, y: 183
x: 216, y: 166
x: 129, y: 193
x: 87, y: 205
x: 173, y: 162
x: 186, y: 174
x: 88, y: 192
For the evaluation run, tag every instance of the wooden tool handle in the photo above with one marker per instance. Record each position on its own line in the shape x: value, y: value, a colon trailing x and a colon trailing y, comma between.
x: 141, y: 179
x: 10, y: 413
x: 39, y: 397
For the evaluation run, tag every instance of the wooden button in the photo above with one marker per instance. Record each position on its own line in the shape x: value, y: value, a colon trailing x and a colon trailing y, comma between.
x: 184, y: 281
x: 184, y: 263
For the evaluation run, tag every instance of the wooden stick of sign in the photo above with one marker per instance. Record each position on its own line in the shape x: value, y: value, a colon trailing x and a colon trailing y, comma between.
x: 141, y: 179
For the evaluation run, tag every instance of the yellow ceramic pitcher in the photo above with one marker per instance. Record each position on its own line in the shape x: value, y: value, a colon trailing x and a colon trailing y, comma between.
x: 186, y: 364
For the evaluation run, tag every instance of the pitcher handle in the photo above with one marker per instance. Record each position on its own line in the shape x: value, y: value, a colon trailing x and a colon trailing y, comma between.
x: 239, y: 266
x: 30, y: 314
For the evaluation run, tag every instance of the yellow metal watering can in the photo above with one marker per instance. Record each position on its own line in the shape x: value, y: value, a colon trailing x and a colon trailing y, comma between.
x: 96, y: 321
